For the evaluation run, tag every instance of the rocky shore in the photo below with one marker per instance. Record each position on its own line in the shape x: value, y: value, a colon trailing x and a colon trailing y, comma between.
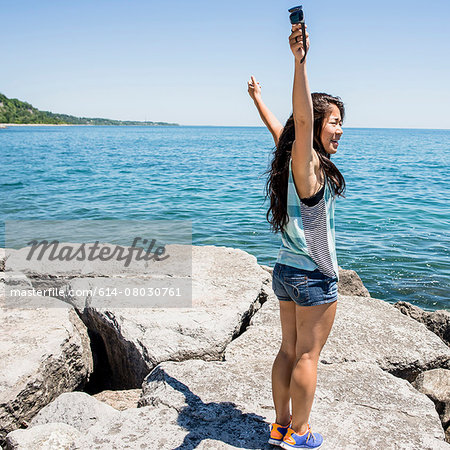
x: 81, y: 375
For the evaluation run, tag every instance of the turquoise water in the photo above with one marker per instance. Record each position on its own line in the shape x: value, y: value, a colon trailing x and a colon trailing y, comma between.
x: 392, y: 227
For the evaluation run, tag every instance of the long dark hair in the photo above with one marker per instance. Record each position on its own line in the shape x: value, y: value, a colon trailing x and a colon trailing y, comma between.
x: 278, y: 174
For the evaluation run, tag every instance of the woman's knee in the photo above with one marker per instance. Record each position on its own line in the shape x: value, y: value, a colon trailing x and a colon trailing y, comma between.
x: 287, y: 352
x: 307, y: 355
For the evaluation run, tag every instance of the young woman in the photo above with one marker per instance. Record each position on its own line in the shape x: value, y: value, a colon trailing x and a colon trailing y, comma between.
x: 302, y: 185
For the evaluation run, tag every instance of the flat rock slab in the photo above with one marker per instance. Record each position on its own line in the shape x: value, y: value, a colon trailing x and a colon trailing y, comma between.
x: 350, y: 396
x: 228, y: 286
x: 371, y: 330
x: 365, y: 330
x: 43, y: 352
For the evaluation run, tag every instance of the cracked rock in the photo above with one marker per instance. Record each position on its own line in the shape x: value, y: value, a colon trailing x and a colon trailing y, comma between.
x: 44, y: 352
x: 227, y: 287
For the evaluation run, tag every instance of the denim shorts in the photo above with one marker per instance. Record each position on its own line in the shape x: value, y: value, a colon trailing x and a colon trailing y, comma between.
x: 304, y: 287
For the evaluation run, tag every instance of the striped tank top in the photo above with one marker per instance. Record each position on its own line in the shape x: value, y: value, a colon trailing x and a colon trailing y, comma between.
x: 308, y: 238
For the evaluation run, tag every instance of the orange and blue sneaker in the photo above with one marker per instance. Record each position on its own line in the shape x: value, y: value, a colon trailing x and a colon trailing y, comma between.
x: 308, y: 440
x: 277, y: 433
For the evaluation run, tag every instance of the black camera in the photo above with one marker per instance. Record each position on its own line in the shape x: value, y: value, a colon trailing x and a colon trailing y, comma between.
x: 296, y: 15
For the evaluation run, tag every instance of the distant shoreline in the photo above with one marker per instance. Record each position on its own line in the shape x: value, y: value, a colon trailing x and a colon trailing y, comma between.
x: 7, y: 125
x: 38, y: 125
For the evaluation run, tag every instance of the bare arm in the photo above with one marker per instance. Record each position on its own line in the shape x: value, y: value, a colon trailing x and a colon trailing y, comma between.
x: 270, y: 121
x: 303, y: 116
x: 302, y: 148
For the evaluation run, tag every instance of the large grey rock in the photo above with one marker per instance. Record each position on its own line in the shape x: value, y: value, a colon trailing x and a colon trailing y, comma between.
x: 365, y: 330
x: 54, y: 436
x: 437, y: 321
x: 436, y: 385
x: 76, y: 409
x: 371, y: 330
x: 350, y: 284
x: 227, y: 288
x: 44, y: 352
x: 103, y: 427
x: 230, y: 403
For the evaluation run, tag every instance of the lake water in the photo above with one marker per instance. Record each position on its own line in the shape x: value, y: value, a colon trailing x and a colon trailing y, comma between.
x: 393, y: 227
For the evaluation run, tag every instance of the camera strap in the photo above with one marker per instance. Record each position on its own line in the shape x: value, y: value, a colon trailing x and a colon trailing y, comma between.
x: 304, y: 42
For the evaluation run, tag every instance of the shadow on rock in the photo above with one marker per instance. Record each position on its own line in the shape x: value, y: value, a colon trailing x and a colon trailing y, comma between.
x: 219, y: 421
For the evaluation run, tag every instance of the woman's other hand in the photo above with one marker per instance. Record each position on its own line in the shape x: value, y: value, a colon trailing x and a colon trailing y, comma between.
x: 254, y: 89
x: 296, y: 41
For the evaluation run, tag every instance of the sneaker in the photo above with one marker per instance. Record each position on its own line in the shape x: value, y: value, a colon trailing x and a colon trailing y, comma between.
x: 277, y: 433
x: 307, y: 440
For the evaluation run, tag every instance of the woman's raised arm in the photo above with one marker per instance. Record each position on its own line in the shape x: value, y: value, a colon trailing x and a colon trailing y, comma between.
x: 271, y: 122
x: 302, y: 149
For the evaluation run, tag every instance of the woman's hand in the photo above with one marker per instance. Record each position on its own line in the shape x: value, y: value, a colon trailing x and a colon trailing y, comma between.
x: 296, y: 41
x: 254, y: 89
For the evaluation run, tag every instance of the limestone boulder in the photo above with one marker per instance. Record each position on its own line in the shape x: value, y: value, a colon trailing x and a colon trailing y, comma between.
x: 54, y: 436
x: 231, y: 404
x: 436, y: 385
x: 371, y: 330
x: 228, y: 286
x: 76, y: 409
x: 350, y: 284
x: 100, y: 426
x: 44, y: 352
x: 225, y: 287
x: 365, y: 330
x: 437, y: 321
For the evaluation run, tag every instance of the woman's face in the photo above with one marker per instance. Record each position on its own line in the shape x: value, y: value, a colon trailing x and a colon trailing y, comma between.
x: 331, y: 130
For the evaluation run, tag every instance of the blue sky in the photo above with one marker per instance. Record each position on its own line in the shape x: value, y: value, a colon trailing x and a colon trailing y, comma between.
x: 189, y: 62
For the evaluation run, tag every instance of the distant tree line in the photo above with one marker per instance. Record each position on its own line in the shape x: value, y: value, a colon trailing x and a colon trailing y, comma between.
x: 16, y: 111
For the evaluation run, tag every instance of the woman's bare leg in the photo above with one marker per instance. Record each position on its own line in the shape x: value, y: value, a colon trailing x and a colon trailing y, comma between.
x: 284, y: 363
x: 313, y: 325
